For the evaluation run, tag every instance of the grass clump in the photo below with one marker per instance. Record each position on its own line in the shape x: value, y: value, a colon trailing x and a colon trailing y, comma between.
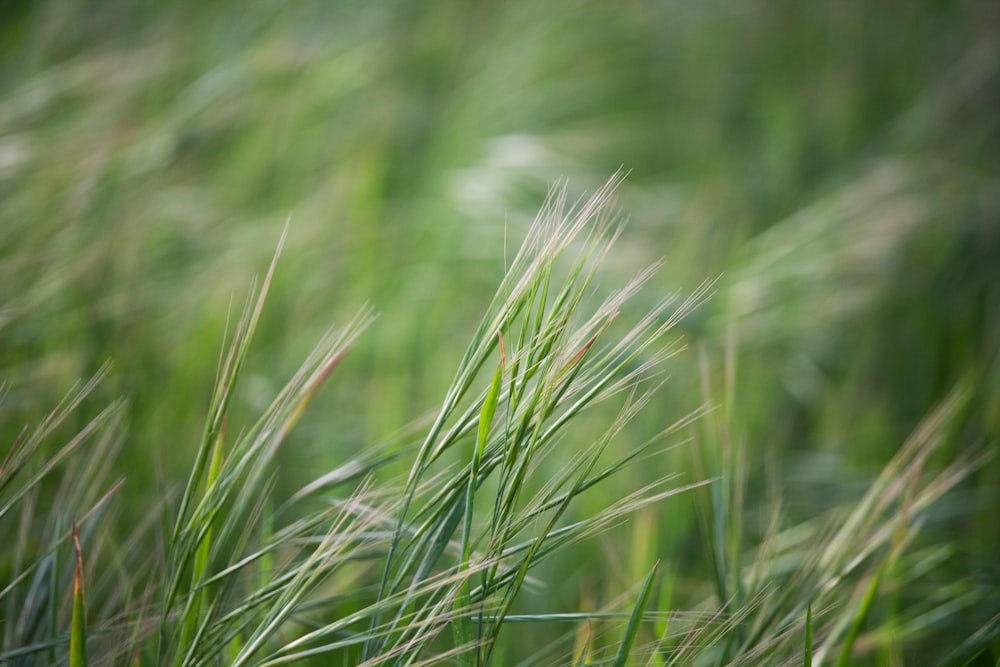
x: 358, y: 567
x: 242, y: 576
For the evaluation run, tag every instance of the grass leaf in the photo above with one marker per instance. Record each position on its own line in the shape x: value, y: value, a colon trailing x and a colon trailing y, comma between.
x: 78, y: 632
x: 634, y: 620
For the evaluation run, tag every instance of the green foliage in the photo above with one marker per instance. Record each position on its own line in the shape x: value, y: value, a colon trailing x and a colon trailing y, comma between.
x: 242, y: 583
x: 830, y: 168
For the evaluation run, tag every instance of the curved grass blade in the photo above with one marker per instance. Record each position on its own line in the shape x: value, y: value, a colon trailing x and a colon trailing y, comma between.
x: 966, y: 652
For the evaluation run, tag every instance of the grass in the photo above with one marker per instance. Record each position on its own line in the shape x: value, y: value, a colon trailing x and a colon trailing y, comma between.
x: 830, y: 169
x: 434, y: 567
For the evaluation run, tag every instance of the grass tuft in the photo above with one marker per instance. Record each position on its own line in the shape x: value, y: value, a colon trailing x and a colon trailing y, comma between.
x: 520, y: 465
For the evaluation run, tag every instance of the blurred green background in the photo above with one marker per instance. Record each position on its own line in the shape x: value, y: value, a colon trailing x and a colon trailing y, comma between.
x: 833, y: 164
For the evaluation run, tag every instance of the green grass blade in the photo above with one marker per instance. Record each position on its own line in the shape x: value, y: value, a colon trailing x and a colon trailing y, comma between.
x: 486, y: 417
x: 854, y: 632
x: 204, y: 548
x: 78, y: 631
x: 462, y: 625
x: 808, y: 659
x: 625, y: 648
x: 965, y: 653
